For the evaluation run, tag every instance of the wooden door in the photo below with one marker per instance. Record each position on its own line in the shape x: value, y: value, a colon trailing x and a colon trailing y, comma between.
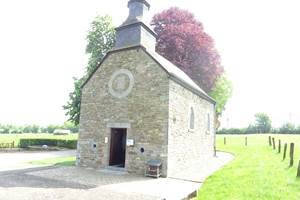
x: 118, y: 147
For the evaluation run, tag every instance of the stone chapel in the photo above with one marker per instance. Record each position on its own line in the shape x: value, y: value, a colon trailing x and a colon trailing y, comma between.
x: 137, y: 106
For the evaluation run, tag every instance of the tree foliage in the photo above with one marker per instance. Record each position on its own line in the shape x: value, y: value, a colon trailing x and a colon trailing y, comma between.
x: 183, y: 41
x: 73, y: 105
x: 263, y: 122
x: 288, y: 128
x: 33, y: 128
x: 100, y: 40
x: 221, y: 92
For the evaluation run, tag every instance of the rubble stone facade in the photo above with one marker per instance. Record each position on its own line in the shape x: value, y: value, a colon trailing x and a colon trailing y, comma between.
x: 137, y: 107
x: 156, y: 114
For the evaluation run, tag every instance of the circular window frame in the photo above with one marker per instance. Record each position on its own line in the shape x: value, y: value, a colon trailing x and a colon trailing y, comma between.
x: 125, y: 93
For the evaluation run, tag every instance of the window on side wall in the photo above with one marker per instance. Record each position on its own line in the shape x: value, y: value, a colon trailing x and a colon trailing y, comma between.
x: 208, y: 124
x: 192, y: 119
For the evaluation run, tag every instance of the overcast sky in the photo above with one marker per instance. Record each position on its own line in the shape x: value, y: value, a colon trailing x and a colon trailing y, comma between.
x: 42, y: 46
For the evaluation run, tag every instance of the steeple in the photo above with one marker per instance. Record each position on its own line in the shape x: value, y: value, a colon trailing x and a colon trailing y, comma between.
x: 135, y: 31
x: 138, y: 10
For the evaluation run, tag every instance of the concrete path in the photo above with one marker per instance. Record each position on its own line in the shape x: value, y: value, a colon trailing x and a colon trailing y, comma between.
x: 204, y: 170
x: 70, y: 183
x: 20, y: 160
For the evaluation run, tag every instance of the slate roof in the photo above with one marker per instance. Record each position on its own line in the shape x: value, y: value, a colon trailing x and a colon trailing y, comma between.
x: 178, y: 74
x: 174, y: 72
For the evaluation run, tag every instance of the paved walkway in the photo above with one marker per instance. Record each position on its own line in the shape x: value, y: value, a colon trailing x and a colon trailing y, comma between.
x: 204, y: 170
x: 20, y: 160
x: 70, y: 183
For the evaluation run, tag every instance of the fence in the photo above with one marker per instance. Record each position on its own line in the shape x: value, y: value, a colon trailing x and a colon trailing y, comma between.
x: 7, y: 145
x: 272, y: 144
x: 291, y: 153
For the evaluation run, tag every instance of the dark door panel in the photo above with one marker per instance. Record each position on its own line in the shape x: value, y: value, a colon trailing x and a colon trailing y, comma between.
x: 118, y: 147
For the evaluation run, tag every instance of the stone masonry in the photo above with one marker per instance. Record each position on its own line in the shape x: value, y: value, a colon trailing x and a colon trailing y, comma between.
x: 167, y: 116
x: 188, y: 147
x: 145, y: 110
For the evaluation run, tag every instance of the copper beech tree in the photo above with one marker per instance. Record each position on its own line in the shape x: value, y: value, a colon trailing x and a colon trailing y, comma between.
x: 183, y: 41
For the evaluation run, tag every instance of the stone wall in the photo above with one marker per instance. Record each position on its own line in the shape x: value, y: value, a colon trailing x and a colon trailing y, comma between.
x: 144, y: 111
x: 188, y: 147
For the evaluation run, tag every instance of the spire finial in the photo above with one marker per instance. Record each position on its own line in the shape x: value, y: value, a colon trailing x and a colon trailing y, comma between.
x: 137, y: 10
x: 141, y: 1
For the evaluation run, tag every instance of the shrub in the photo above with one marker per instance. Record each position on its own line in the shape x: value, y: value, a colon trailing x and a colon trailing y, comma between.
x: 232, y: 131
x: 287, y: 128
x: 70, y: 144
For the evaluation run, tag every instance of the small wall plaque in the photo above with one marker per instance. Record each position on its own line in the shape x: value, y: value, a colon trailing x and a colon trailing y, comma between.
x: 106, y: 140
x: 130, y: 142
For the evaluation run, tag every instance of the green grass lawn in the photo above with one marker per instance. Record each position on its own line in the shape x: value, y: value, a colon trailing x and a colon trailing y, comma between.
x: 59, y: 161
x: 9, y: 138
x: 257, y: 172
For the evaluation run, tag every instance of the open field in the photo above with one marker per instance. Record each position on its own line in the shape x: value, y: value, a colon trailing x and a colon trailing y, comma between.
x: 257, y: 172
x: 9, y: 138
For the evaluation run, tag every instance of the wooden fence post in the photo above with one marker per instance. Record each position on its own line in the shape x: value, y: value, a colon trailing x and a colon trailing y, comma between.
x: 224, y: 140
x: 270, y: 142
x: 284, y: 151
x: 298, y: 171
x: 273, y: 140
x: 246, y: 141
x: 215, y: 151
x: 279, y: 146
x: 292, y: 146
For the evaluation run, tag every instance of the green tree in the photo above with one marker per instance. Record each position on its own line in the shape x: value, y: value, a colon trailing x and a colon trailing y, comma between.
x: 100, y: 39
x: 31, y: 129
x: 263, y: 122
x: 288, y: 128
x: 4, y: 128
x: 71, y: 126
x: 221, y: 92
x: 73, y: 105
x: 50, y: 128
x: 183, y: 41
x: 251, y: 129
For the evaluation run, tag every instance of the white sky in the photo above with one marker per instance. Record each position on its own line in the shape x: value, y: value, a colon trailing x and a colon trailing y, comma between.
x: 42, y: 46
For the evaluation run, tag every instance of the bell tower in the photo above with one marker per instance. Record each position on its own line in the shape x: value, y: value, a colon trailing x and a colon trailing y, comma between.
x: 135, y: 30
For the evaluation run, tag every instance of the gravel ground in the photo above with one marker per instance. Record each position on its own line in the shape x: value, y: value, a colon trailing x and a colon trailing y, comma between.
x: 69, y: 194
x: 68, y: 183
x: 20, y: 160
x: 28, y: 185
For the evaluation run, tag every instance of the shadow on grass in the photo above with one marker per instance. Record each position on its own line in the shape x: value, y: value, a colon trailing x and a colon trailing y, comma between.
x: 59, y: 161
x: 65, y: 163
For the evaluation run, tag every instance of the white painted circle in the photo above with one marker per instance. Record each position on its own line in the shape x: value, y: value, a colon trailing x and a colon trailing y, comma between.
x: 121, y: 83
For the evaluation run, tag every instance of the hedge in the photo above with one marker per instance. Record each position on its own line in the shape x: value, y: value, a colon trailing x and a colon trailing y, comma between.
x: 70, y: 144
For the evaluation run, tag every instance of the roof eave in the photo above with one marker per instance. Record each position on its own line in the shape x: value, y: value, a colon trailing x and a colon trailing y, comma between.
x: 183, y: 84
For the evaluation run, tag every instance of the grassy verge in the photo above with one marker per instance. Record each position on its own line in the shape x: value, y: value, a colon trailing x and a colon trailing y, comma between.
x: 257, y: 172
x: 59, y: 161
x: 9, y: 138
